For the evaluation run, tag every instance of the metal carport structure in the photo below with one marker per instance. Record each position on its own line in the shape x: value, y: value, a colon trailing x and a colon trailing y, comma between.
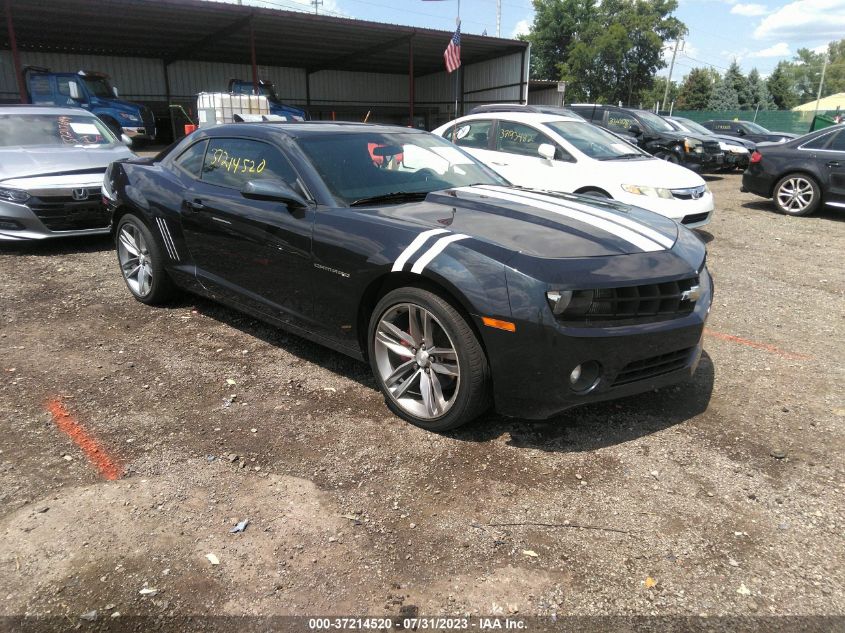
x: 186, y: 44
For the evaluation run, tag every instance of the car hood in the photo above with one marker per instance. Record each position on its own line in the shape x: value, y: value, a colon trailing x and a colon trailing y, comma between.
x: 651, y: 172
x: 537, y: 224
x: 25, y: 162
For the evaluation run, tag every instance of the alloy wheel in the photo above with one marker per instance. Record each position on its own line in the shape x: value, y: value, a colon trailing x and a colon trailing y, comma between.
x: 417, y: 361
x: 795, y: 194
x: 135, y: 262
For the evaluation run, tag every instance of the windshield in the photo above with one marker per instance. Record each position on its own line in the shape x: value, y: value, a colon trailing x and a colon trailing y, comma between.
x: 99, y: 87
x: 365, y: 165
x: 594, y: 141
x: 654, y: 121
x: 30, y: 130
x: 754, y: 128
x: 692, y: 126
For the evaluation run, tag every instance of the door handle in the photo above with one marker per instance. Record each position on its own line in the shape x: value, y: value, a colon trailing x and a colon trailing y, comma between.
x: 194, y: 205
x: 834, y: 163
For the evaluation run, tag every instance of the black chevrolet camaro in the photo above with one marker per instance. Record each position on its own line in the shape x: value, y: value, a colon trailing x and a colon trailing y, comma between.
x: 393, y: 246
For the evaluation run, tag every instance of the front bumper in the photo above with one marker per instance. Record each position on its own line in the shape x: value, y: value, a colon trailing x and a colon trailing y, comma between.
x: 703, y: 163
x: 19, y: 222
x: 531, y: 366
x: 691, y: 213
x: 142, y: 133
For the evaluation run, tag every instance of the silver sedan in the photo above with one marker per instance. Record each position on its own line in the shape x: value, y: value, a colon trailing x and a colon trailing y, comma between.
x: 52, y: 162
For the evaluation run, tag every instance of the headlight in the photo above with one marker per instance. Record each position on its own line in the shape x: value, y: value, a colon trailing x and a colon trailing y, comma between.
x: 733, y: 149
x: 128, y: 117
x: 14, y: 195
x: 559, y: 300
x: 692, y: 145
x: 653, y: 192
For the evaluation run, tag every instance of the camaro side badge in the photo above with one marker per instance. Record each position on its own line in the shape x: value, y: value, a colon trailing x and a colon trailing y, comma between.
x: 433, y: 251
x: 693, y: 294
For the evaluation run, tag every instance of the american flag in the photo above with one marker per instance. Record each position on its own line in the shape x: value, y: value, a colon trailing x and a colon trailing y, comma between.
x: 452, y: 55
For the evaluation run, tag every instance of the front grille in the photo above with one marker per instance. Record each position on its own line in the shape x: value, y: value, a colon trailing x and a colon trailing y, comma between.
x: 653, y: 367
x: 695, y: 217
x: 64, y: 213
x: 689, y: 193
x: 630, y: 305
x: 712, y: 147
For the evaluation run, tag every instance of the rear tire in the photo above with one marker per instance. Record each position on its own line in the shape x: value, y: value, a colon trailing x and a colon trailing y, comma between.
x: 427, y: 360
x: 141, y: 261
x: 797, y: 194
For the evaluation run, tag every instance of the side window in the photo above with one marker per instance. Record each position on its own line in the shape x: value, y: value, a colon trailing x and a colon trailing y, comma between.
x: 722, y: 127
x: 516, y: 138
x: 190, y: 161
x: 232, y: 162
x: 470, y: 134
x: 620, y: 121
x: 39, y: 87
x: 838, y: 143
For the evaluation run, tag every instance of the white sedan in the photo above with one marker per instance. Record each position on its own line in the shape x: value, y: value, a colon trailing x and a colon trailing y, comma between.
x: 559, y: 153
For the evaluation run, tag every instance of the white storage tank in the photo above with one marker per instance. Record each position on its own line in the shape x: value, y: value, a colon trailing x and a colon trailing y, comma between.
x: 217, y: 108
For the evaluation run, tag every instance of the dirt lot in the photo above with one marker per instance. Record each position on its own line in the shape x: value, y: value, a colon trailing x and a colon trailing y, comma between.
x: 723, y: 496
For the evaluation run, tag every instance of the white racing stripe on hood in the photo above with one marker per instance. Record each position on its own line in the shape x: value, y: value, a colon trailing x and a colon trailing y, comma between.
x: 413, y: 247
x: 558, y: 207
x: 435, y: 250
x: 639, y: 227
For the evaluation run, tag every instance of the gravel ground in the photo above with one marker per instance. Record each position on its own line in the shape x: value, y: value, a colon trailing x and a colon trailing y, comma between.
x: 721, y: 496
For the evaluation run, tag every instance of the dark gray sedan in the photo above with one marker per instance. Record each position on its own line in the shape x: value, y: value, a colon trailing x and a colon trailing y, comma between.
x: 52, y: 162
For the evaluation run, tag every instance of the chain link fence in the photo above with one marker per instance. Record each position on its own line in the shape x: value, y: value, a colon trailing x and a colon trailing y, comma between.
x: 775, y: 120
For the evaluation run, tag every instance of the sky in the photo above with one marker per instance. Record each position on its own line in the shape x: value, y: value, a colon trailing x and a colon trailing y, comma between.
x: 757, y: 33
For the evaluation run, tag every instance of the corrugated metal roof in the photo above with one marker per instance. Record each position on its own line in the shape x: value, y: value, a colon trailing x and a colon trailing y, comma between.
x: 215, y: 31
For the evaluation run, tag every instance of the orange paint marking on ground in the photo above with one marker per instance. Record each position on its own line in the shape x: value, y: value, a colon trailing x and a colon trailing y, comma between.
x: 94, y: 451
x: 764, y: 346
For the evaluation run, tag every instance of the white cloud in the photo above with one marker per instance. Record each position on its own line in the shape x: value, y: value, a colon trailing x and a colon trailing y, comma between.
x: 821, y: 50
x: 804, y: 19
x: 781, y: 49
x: 749, y: 10
x: 522, y: 28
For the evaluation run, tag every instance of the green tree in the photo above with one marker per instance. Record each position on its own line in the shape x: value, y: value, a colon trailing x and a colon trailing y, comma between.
x: 654, y: 94
x: 695, y: 91
x: 736, y: 80
x: 834, y: 80
x: 781, y: 87
x: 607, y: 51
x: 724, y: 97
x: 759, y: 91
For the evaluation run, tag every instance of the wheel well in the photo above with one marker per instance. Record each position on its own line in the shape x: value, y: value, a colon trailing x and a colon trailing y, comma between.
x: 391, y: 281
x: 584, y: 190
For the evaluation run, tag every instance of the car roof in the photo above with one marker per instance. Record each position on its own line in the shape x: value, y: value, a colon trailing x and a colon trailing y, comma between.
x: 300, y: 129
x: 42, y: 109
x: 522, y: 117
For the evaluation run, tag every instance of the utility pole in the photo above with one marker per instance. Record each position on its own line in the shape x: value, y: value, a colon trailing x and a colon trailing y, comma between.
x: 316, y: 4
x: 671, y: 68
x: 498, y: 18
x: 821, y: 85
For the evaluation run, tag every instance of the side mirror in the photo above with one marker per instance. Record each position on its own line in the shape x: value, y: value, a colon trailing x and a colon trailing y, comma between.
x: 274, y: 191
x: 635, y: 129
x: 547, y: 151
x: 740, y: 132
x: 73, y: 87
x: 126, y: 140
x: 114, y: 90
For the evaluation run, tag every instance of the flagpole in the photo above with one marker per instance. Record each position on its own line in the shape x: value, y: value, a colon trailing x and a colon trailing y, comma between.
x: 460, y: 68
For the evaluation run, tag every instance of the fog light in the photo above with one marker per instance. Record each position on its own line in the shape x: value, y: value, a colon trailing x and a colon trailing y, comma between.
x: 585, y: 377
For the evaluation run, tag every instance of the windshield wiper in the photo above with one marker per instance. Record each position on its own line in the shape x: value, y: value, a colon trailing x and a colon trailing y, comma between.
x: 625, y: 156
x: 393, y: 196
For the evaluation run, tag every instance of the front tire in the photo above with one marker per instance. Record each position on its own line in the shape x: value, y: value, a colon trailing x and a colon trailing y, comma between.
x: 797, y: 194
x: 427, y: 361
x: 142, y: 262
